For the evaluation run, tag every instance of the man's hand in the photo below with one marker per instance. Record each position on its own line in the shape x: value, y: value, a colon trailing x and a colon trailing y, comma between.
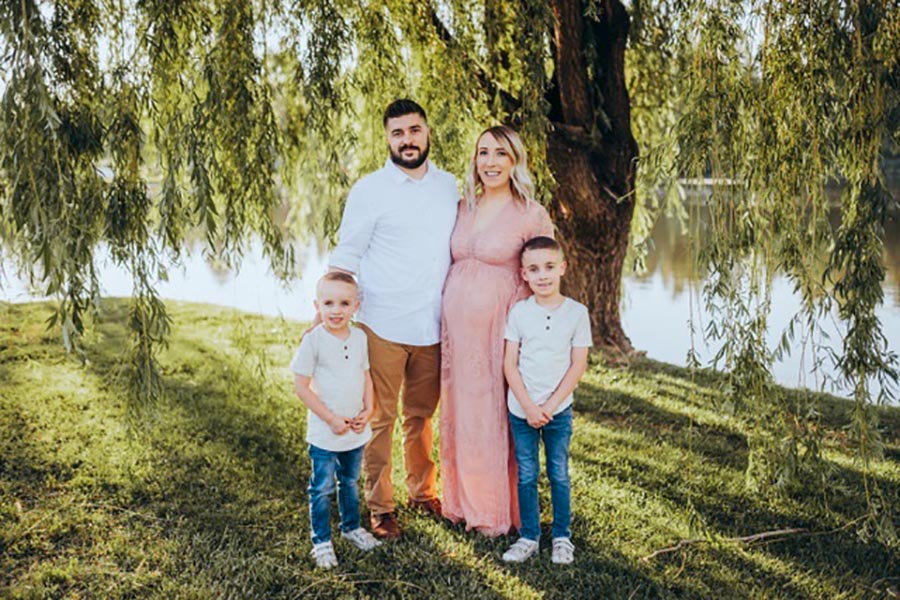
x: 537, y: 416
x: 339, y: 425
x: 358, y: 423
x: 316, y: 321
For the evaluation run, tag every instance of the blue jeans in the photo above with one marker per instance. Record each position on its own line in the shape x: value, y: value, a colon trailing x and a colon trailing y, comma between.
x: 556, y: 434
x: 326, y: 467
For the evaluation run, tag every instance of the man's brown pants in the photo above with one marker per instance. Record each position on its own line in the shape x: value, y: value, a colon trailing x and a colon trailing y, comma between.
x: 417, y: 369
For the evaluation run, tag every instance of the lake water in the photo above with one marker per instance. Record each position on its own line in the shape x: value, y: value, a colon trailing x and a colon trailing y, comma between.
x: 656, y: 309
x: 656, y: 305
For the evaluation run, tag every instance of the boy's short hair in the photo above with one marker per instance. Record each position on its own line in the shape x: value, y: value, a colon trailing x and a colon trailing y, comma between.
x: 400, y: 107
x: 541, y: 242
x: 336, y: 276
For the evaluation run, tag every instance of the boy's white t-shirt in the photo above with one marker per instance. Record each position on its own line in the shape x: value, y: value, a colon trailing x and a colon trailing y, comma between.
x: 546, y: 338
x: 337, y: 368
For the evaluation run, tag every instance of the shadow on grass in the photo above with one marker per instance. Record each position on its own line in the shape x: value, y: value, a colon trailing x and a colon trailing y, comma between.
x: 220, y: 528
x: 599, y: 571
x: 838, y: 556
x: 616, y: 409
x: 706, y: 379
x: 33, y: 506
x: 835, y: 411
x: 22, y: 467
x: 841, y: 556
x: 278, y: 460
x: 225, y: 480
x: 892, y: 453
x: 229, y: 481
x: 226, y: 485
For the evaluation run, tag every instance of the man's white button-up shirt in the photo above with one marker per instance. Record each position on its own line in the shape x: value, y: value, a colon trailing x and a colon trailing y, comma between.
x: 395, y: 236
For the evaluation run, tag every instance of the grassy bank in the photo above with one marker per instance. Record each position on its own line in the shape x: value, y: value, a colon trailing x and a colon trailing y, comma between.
x: 209, y: 499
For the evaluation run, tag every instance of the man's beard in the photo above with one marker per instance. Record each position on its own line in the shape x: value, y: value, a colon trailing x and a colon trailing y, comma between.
x: 414, y: 163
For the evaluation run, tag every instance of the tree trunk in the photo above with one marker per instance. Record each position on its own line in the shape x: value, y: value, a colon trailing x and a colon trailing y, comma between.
x: 591, y: 153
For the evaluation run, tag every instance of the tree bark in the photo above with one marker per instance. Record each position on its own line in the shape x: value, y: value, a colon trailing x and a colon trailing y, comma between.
x: 591, y: 153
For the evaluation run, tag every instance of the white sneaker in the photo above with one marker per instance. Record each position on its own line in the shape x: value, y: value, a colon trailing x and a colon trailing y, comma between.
x: 563, y: 551
x: 361, y: 538
x: 521, y: 550
x: 324, y: 555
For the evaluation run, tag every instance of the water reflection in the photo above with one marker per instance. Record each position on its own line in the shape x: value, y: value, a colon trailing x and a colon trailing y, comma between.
x: 198, y: 278
x: 656, y: 305
x: 670, y: 255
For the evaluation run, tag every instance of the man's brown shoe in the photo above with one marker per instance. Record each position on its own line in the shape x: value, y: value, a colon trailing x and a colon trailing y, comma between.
x: 431, y: 507
x: 385, y: 526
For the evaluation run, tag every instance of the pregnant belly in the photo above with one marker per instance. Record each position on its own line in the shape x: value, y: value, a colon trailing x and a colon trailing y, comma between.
x: 478, y: 290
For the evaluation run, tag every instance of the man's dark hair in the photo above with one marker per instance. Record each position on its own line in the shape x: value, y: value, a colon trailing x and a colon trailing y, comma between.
x: 541, y: 242
x: 401, y: 107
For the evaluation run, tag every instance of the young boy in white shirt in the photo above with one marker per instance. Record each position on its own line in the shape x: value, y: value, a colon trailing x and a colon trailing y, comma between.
x: 331, y: 377
x: 547, y: 340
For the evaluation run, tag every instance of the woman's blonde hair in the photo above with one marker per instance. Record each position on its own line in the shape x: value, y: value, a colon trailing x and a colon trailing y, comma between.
x: 520, y: 182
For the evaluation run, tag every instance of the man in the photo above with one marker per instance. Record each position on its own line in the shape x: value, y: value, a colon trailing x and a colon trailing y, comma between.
x: 395, y: 237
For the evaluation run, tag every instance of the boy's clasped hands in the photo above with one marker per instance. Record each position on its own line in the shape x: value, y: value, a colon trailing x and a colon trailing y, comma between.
x: 537, y: 416
x: 340, y: 425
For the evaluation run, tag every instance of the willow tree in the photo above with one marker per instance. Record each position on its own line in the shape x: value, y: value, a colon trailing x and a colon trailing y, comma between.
x: 233, y: 109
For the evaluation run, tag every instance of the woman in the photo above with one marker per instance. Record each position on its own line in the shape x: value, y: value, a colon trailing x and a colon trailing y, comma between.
x: 499, y: 214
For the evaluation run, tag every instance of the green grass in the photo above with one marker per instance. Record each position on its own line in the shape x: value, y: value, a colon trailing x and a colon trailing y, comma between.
x: 209, y: 498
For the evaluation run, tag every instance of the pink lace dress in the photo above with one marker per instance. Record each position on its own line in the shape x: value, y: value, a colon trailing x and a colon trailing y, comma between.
x: 478, y: 467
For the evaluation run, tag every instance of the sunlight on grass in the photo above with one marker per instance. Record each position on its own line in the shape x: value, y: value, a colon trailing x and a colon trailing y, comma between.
x: 887, y: 469
x: 460, y: 549
x: 209, y: 500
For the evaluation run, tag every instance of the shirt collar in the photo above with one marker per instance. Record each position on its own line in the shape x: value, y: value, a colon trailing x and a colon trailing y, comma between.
x: 399, y: 176
x: 533, y: 299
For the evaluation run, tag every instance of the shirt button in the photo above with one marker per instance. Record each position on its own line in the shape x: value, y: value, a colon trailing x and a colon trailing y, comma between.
x: 347, y: 357
x: 548, y: 328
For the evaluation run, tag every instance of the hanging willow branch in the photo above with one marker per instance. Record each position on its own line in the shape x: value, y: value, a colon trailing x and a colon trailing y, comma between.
x: 783, y: 100
x: 131, y: 127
